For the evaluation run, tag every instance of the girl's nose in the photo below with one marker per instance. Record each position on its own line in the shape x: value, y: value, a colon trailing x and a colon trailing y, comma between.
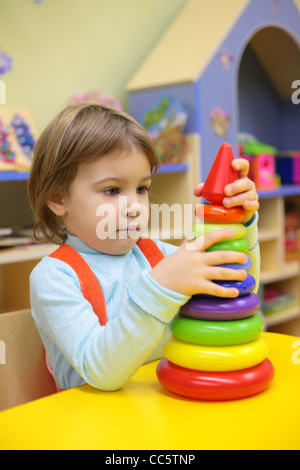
x: 134, y: 210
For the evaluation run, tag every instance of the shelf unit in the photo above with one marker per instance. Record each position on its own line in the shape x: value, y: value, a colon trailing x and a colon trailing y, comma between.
x: 275, y: 271
x: 16, y: 265
x: 174, y: 185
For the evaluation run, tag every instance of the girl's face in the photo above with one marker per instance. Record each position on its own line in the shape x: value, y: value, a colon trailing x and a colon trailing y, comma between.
x: 107, y: 205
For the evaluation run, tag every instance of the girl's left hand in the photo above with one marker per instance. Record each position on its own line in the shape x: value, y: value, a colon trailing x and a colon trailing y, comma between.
x: 240, y: 193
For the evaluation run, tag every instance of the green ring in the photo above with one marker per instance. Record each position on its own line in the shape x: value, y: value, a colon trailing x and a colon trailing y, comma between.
x: 231, y: 245
x: 216, y: 333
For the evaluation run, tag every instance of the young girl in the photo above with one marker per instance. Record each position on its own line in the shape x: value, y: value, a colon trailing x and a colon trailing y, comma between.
x: 87, y: 161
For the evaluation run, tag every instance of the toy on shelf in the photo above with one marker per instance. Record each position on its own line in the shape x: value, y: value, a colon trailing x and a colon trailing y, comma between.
x: 288, y: 167
x: 166, y: 122
x: 216, y: 351
x: 275, y: 302
x: 291, y: 232
x: 17, y: 140
x: 261, y: 158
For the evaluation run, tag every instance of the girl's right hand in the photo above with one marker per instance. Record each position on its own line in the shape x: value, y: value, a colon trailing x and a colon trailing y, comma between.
x: 191, y: 270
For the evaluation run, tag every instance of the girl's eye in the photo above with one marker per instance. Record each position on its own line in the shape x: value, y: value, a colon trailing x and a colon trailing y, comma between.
x: 143, y: 189
x: 111, y: 191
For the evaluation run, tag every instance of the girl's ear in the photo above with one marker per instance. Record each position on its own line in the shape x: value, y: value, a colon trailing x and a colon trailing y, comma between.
x: 57, y: 204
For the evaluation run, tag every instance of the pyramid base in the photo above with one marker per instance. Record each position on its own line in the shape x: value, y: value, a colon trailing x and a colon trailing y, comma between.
x: 215, y: 386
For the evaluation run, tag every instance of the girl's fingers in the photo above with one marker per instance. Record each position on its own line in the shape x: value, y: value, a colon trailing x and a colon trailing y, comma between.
x: 218, y: 291
x: 243, y: 185
x: 206, y: 241
x: 242, y: 166
x: 217, y: 258
x: 240, y: 199
x: 252, y: 206
x: 226, y: 274
x: 198, y: 190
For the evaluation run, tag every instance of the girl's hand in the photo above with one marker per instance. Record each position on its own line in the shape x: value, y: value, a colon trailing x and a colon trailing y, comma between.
x: 240, y: 193
x: 191, y: 270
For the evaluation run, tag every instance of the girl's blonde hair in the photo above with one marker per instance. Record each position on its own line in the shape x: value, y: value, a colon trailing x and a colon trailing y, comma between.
x: 80, y: 133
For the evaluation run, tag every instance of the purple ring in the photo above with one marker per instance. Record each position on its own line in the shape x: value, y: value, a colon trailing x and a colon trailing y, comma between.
x: 245, y: 287
x: 246, y: 266
x: 220, y: 308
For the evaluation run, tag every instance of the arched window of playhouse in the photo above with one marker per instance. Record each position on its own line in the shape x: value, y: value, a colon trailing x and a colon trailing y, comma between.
x: 269, y: 66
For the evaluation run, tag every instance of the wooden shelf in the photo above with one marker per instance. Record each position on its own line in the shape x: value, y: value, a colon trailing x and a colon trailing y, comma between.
x: 288, y: 271
x: 25, y: 253
x: 275, y: 319
x: 268, y: 234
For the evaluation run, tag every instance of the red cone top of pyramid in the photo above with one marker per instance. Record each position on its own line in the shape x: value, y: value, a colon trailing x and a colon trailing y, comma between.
x: 220, y: 175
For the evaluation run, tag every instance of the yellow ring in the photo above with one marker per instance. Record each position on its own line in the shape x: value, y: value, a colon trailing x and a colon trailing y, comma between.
x: 216, y: 358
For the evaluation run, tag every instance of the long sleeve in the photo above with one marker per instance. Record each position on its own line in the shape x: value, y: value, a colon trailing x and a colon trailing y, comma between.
x: 79, y: 349
x: 254, y: 251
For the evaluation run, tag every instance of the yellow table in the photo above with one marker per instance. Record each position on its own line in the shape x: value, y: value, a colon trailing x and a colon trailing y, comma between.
x: 145, y: 416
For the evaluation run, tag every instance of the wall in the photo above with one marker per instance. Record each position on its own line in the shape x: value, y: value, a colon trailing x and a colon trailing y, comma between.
x: 64, y: 46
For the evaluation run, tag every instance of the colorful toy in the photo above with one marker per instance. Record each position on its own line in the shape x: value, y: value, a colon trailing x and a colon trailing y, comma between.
x: 212, y: 333
x: 264, y: 171
x: 216, y: 350
x: 244, y: 287
x: 288, y: 167
x: 202, y: 229
x: 17, y: 140
x: 231, y: 245
x: 261, y: 158
x: 215, y: 386
x: 216, y: 358
x: 166, y: 121
x: 291, y: 232
x: 246, y: 266
x: 218, y: 308
x: 213, y: 189
x: 217, y: 214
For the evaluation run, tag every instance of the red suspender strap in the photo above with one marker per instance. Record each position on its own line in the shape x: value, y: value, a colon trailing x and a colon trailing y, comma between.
x: 150, y: 250
x: 89, y: 284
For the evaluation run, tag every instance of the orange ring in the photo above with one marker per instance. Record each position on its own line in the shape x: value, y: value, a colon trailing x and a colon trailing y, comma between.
x: 219, y: 215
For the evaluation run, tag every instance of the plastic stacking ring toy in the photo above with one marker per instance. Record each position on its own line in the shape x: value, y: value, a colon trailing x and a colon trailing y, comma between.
x: 217, y: 333
x: 246, y: 266
x: 245, y: 287
x: 221, y: 308
x: 215, y: 386
x: 231, y: 245
x: 216, y: 358
x: 219, y: 215
x: 202, y: 229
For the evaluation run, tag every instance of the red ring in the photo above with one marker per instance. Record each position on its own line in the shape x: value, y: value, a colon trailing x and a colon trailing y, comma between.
x: 215, y: 386
x: 219, y: 214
